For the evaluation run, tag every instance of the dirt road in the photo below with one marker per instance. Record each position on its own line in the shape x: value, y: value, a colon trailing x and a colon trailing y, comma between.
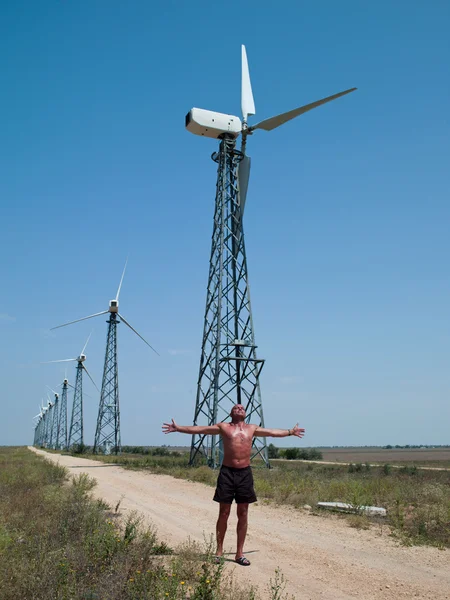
x: 322, y: 558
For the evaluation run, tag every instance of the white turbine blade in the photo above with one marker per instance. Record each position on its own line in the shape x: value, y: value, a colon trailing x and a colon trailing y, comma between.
x: 82, y: 319
x: 82, y: 352
x: 138, y: 334
x: 247, y: 102
x: 47, y: 362
x: 244, y: 176
x: 52, y: 390
x: 121, y: 279
x: 273, y: 122
x: 89, y: 375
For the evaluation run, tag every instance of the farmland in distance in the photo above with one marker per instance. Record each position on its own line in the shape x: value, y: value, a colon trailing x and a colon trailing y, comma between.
x: 428, y: 457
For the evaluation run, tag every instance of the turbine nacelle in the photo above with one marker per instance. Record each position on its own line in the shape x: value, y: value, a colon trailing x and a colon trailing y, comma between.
x: 113, y: 306
x: 81, y: 358
x: 66, y: 381
x: 212, y: 124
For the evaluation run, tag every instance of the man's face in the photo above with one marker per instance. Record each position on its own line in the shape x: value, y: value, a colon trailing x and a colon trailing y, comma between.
x: 238, y: 411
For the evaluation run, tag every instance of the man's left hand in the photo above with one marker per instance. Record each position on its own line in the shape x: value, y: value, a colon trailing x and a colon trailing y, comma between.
x: 297, y: 431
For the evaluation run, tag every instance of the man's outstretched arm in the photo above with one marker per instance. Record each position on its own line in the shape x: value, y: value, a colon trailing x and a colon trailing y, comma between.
x: 296, y: 430
x: 204, y: 429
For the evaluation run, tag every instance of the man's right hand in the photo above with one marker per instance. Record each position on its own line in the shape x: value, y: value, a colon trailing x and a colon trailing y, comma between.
x: 170, y: 427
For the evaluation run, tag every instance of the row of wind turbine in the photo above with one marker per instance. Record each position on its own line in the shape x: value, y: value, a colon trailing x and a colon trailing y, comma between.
x: 107, y: 435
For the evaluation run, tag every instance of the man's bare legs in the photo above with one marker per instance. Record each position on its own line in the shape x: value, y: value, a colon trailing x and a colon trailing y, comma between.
x: 241, y: 529
x: 221, y: 526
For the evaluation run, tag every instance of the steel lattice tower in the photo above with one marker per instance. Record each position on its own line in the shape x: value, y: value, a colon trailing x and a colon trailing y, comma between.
x: 76, y: 420
x: 61, y: 430
x: 39, y: 432
x: 52, y: 425
x: 44, y: 429
x: 48, y: 424
x: 54, y: 422
x: 107, y: 434
x: 229, y: 368
x: 36, y: 434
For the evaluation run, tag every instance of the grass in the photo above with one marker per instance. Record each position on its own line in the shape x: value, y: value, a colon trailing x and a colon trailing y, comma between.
x: 57, y: 543
x: 417, y: 501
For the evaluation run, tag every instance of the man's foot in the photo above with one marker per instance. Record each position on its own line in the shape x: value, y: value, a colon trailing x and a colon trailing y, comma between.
x: 244, y: 562
x: 219, y: 559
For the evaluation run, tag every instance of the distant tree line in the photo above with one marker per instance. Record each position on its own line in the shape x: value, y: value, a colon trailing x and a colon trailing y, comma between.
x: 147, y: 450
x: 389, y: 446
x: 397, y: 446
x: 294, y: 453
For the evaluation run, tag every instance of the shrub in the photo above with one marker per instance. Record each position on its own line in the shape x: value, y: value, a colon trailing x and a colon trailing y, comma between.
x: 273, y: 451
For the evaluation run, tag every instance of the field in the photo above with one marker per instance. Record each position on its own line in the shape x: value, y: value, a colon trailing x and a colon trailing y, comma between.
x: 417, y: 500
x: 430, y: 457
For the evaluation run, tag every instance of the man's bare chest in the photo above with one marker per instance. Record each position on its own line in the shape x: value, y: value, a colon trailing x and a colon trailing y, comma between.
x: 236, y: 435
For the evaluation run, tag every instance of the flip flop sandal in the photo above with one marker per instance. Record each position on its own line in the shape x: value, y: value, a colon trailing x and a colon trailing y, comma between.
x: 244, y: 562
x: 219, y: 560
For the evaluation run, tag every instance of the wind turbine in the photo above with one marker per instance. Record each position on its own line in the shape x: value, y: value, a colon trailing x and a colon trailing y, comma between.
x: 37, y: 420
x: 229, y: 367
x: 76, y: 421
x: 55, y: 420
x: 46, y: 418
x: 50, y: 418
x: 59, y: 424
x: 107, y: 433
x: 38, y: 432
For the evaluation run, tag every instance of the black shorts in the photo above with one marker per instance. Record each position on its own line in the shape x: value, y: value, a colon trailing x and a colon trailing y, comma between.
x: 235, y: 484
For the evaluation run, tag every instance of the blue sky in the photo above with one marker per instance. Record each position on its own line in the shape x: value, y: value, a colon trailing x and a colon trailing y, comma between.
x: 346, y: 219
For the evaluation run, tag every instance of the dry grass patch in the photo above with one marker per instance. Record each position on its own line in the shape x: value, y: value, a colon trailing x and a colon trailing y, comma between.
x: 57, y: 543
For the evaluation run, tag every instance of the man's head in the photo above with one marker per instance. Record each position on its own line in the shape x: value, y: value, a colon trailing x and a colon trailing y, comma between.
x: 237, y: 413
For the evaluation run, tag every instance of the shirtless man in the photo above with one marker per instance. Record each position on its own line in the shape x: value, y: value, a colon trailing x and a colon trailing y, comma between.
x: 235, y: 479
